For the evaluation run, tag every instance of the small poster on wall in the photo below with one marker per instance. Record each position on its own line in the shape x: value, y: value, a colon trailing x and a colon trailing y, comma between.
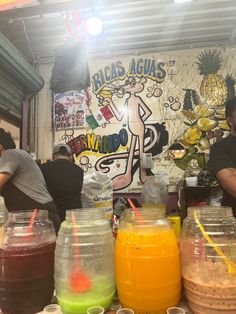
x: 69, y: 110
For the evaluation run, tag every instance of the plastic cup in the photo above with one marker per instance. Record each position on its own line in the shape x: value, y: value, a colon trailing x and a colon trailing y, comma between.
x: 53, y: 309
x: 125, y: 310
x: 95, y: 310
x: 175, y: 310
x: 191, y: 181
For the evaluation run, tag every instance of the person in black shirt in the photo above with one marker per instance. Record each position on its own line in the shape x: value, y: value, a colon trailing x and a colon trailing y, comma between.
x: 64, y: 180
x: 222, y: 159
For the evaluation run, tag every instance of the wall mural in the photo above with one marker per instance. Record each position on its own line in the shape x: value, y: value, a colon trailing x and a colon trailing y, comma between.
x: 121, y: 100
x: 204, y: 113
x: 152, y: 105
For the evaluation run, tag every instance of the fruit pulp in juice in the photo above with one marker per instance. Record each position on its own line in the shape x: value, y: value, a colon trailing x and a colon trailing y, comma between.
x: 147, y: 268
x: 26, y: 279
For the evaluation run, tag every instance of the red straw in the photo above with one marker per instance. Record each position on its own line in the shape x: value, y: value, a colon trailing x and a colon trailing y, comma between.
x: 135, y: 210
x: 30, y: 226
x: 32, y: 219
x: 79, y: 280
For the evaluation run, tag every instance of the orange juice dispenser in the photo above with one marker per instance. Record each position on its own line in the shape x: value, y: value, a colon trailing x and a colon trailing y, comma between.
x: 147, y: 262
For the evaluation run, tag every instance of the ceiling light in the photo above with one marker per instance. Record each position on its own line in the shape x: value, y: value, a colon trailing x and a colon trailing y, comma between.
x: 94, y: 25
x: 183, y: 1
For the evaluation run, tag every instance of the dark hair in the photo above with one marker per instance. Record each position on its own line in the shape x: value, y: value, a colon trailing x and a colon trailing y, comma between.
x: 6, y: 139
x: 63, y: 151
x: 230, y: 107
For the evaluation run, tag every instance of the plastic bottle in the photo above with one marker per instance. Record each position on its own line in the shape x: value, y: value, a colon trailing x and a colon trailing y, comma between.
x: 154, y: 192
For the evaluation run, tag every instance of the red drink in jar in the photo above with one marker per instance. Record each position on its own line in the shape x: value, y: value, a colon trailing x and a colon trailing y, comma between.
x: 26, y: 282
x: 26, y: 263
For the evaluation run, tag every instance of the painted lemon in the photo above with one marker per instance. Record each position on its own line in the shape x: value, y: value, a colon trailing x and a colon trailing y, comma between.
x: 105, y: 94
x: 192, y: 135
x: 206, y: 124
x: 223, y: 125
x: 203, y: 111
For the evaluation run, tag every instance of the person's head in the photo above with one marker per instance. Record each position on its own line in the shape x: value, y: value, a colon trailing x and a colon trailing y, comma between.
x: 62, y: 151
x: 230, y: 114
x: 6, y: 141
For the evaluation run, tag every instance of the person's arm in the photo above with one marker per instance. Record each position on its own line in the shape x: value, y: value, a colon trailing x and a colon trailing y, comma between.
x: 227, y: 179
x: 4, y: 177
x: 9, y: 163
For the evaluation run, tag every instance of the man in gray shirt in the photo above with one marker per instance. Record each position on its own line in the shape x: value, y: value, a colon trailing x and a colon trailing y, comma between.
x: 21, y: 182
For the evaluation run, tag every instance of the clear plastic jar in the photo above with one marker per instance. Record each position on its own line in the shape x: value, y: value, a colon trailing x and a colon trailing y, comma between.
x: 208, y: 244
x: 26, y: 262
x: 147, y: 262
x: 3, y: 218
x: 84, y: 249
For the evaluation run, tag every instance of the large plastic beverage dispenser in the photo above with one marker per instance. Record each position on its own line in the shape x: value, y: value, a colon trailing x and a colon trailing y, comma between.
x: 147, y: 262
x: 84, y: 262
x: 3, y: 218
x: 208, y: 254
x: 26, y: 262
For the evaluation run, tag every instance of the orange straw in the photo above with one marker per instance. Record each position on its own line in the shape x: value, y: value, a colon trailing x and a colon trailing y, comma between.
x: 135, y: 210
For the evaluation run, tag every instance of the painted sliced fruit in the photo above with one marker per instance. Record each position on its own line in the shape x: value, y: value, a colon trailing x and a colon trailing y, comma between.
x: 220, y: 112
x: 203, y: 111
x: 206, y: 124
x: 223, y: 125
x: 192, y: 135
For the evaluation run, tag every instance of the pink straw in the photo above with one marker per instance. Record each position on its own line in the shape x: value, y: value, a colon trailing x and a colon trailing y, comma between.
x: 135, y: 210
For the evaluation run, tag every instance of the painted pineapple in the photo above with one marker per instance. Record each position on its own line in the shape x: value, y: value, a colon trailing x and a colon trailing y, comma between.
x: 213, y: 87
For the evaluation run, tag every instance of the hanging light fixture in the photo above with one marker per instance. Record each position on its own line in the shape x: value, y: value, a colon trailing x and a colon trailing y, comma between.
x: 94, y: 25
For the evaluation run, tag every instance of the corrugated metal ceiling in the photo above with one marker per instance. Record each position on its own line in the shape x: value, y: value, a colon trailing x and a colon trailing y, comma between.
x: 129, y: 26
